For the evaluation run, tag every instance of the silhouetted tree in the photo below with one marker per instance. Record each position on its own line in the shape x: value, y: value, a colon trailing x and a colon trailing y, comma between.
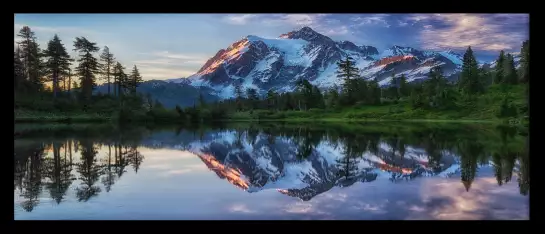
x: 31, y: 57
x: 58, y: 61
x: 108, y: 63
x: 135, y: 79
x: 88, y: 65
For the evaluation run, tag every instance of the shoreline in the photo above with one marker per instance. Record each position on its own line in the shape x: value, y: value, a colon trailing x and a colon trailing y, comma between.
x: 68, y: 120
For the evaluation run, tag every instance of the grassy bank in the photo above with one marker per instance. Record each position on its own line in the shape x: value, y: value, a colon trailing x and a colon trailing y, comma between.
x: 483, y: 108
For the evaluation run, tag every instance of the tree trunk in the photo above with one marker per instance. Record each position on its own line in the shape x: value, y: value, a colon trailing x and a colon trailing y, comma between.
x: 55, y: 84
x: 108, y: 78
x: 69, y: 80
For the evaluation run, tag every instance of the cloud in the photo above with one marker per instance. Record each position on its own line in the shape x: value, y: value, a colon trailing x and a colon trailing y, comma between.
x: 415, y: 18
x: 481, y: 32
x: 239, y: 19
x: 165, y: 64
x: 58, y: 30
x: 374, y: 19
x: 402, y: 23
x: 337, y: 31
x: 311, y: 20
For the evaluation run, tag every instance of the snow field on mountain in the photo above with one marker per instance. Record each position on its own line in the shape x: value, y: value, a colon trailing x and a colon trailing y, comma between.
x: 292, y: 50
x: 455, y: 59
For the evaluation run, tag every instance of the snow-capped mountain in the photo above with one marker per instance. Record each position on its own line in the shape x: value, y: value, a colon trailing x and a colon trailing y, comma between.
x: 277, y: 63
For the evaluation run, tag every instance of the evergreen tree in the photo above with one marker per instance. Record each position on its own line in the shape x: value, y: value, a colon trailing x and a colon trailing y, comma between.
x: 469, y: 78
x: 119, y: 79
x: 135, y: 79
x: 108, y: 64
x: 317, y: 100
x: 31, y: 56
x: 332, y: 99
x: 252, y: 97
x: 18, y: 70
x: 362, y: 87
x: 347, y: 70
x: 524, y: 71
x: 288, y: 103
x: 499, y: 70
x: 393, y: 90
x: 58, y: 61
x: 485, y: 76
x: 374, y: 94
x: 202, y: 102
x: 403, y: 86
x: 510, y: 72
x: 304, y: 89
x: 417, y: 97
x: 88, y: 65
x: 239, y: 96
x: 271, y: 99
x: 433, y: 86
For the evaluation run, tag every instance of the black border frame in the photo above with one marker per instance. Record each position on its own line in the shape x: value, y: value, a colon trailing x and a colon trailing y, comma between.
x: 313, y: 7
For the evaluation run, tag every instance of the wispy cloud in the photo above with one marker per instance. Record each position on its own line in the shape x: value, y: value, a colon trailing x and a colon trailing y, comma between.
x: 311, y: 20
x: 482, y: 32
x: 402, y: 23
x: 60, y: 29
x: 374, y: 19
x: 165, y: 64
x: 240, y: 19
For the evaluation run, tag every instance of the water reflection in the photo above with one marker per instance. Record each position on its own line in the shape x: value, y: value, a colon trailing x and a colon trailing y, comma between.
x: 307, y: 163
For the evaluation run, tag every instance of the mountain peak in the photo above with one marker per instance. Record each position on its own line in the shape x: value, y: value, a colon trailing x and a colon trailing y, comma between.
x: 306, y: 29
x: 307, y: 34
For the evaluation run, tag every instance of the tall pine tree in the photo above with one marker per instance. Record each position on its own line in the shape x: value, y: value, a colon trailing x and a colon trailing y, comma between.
x: 393, y: 90
x: 135, y: 79
x: 499, y: 70
x: 108, y: 63
x: 58, y: 61
x: 469, y: 78
x: 18, y: 70
x: 271, y: 99
x: 252, y: 96
x: 119, y: 79
x: 403, y: 86
x: 524, y: 70
x: 239, y: 96
x: 375, y: 92
x: 347, y: 70
x: 510, y: 71
x: 31, y: 57
x: 88, y: 65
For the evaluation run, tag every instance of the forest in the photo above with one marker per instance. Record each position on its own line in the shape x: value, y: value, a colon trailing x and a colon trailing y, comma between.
x: 492, y: 94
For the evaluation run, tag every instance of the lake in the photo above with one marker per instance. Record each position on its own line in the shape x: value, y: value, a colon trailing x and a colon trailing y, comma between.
x: 278, y: 171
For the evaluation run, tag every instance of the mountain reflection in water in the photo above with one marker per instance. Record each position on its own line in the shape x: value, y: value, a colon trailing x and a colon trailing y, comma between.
x: 301, y: 162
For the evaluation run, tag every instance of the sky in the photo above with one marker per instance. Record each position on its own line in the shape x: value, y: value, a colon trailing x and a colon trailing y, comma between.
x: 165, y: 46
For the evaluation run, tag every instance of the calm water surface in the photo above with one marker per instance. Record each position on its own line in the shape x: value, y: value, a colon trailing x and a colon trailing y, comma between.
x: 272, y: 171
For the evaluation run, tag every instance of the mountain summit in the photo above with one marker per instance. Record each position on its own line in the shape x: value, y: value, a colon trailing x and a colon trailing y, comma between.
x: 277, y: 63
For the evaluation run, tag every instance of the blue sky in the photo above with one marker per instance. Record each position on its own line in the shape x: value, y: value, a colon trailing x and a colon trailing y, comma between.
x: 176, y: 45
